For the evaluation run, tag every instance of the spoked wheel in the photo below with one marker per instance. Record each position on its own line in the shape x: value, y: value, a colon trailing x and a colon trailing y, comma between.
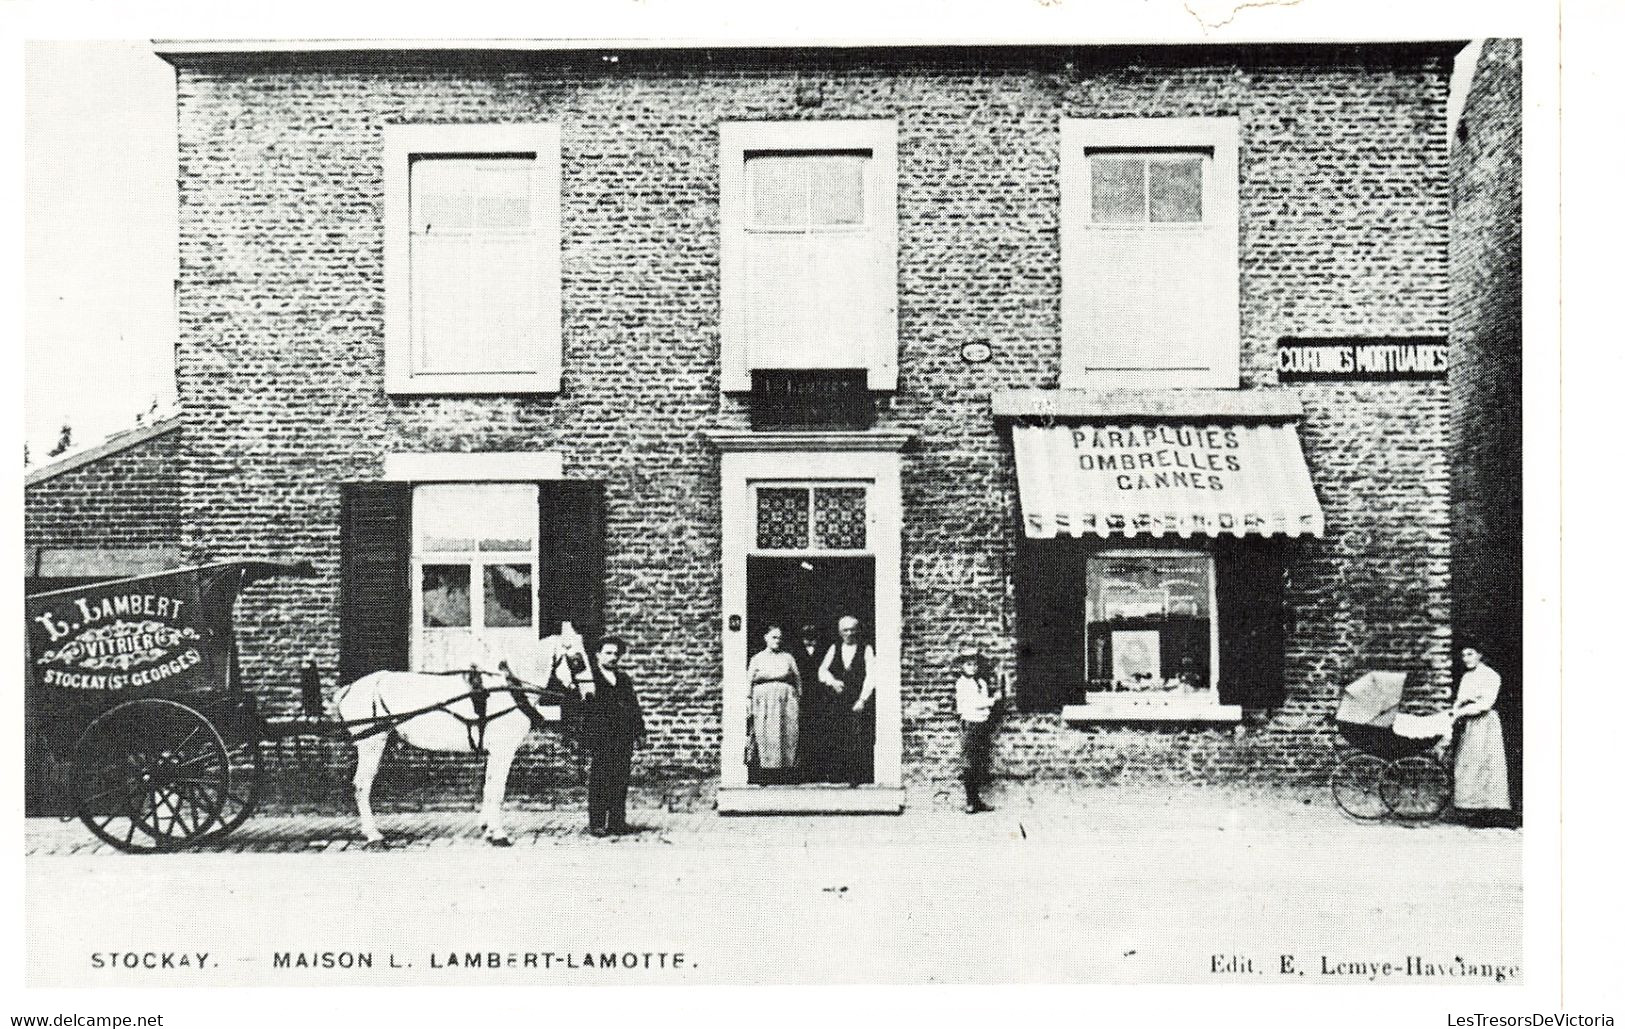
x: 1416, y: 787
x: 242, y: 789
x: 1357, y: 786
x: 151, y: 775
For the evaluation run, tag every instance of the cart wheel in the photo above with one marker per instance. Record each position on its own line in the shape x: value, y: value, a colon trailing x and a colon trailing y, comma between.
x: 243, y: 788
x: 150, y: 775
x: 1357, y: 786
x: 1416, y: 787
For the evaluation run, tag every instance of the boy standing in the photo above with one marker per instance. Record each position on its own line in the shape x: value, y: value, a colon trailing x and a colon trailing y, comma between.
x: 975, y: 694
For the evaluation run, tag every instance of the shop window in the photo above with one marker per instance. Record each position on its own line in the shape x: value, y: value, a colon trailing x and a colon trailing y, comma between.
x: 475, y: 554
x: 472, y: 259
x: 1150, y: 288
x: 1149, y: 624
x: 809, y: 249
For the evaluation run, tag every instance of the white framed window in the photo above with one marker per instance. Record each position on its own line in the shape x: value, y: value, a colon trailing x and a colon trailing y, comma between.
x: 809, y: 248
x: 1150, y: 280
x: 1151, y: 632
x: 474, y: 572
x: 471, y: 259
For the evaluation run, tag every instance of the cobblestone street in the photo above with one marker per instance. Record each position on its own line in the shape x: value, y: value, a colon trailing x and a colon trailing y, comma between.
x: 1108, y: 885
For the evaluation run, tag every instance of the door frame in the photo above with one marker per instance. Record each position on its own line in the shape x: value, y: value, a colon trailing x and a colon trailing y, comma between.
x: 872, y: 456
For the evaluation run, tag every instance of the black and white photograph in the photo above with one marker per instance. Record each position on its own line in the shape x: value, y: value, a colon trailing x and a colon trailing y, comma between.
x: 599, y: 505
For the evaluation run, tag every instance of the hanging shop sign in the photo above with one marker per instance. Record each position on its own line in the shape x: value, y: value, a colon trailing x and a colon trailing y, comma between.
x: 1363, y: 359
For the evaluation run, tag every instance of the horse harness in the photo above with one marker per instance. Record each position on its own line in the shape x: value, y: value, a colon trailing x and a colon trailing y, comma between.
x: 478, y: 696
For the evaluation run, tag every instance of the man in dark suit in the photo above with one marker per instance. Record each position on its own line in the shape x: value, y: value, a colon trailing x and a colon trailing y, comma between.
x: 817, y: 709
x: 611, y: 723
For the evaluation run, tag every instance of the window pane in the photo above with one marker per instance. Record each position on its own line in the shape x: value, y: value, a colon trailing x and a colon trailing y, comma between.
x: 836, y: 189
x: 1116, y: 188
x: 840, y: 517
x: 804, y: 190
x: 507, y: 595
x: 504, y: 544
x: 778, y: 190
x: 439, y: 544
x: 781, y: 518
x: 442, y: 200
x: 445, y: 596
x: 440, y: 300
x: 504, y: 305
x: 1149, y: 622
x: 502, y: 193
x: 464, y: 194
x: 1176, y: 190
x: 452, y: 516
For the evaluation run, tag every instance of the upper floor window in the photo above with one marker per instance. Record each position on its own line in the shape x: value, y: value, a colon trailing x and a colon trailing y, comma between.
x: 1150, y: 284
x: 472, y: 259
x: 809, y: 249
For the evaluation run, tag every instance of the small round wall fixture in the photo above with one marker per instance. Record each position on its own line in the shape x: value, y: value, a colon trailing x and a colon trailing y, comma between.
x: 976, y: 351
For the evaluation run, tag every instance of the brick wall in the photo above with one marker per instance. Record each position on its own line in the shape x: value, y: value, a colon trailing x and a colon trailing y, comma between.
x: 127, y: 498
x: 1486, y: 402
x: 1344, y: 203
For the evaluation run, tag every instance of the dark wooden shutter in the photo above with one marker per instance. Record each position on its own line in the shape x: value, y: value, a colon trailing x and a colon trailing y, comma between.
x: 1049, y: 595
x: 1252, y: 638
x: 375, y: 578
x: 570, y: 576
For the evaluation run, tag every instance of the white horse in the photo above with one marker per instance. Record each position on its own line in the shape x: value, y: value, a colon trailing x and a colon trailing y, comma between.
x: 448, y: 724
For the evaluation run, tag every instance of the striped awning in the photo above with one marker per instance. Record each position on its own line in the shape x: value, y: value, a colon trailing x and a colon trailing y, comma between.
x: 1164, y: 479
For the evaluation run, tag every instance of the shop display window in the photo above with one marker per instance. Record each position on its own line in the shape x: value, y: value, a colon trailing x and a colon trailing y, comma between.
x: 1150, y: 627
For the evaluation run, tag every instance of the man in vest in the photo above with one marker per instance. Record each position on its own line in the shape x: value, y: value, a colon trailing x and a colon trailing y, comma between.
x: 846, y: 671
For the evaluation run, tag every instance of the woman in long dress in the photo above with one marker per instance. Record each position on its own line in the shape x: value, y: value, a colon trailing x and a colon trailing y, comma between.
x: 775, y: 706
x: 1481, y: 796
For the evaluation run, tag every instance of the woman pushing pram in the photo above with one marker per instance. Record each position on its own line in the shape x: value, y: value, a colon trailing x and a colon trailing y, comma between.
x: 1398, y: 766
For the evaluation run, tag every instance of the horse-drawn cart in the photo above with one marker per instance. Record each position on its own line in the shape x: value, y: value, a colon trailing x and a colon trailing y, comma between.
x: 135, y: 685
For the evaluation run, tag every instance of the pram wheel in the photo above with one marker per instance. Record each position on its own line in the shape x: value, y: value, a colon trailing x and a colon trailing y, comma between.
x: 1357, y: 786
x: 1415, y: 787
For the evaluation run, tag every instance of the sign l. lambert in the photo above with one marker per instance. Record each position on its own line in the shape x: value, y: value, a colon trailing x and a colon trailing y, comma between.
x: 1362, y: 359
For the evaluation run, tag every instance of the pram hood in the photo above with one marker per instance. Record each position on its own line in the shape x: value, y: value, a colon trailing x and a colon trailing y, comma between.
x: 1372, y: 699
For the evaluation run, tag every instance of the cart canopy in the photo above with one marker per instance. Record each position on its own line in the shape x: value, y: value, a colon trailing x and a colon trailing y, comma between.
x: 169, y: 632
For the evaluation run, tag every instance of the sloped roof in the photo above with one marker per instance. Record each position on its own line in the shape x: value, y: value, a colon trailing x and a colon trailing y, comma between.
x: 116, y: 443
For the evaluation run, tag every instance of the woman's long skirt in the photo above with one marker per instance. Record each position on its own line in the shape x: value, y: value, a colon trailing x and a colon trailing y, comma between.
x: 775, y: 710
x: 1481, y: 764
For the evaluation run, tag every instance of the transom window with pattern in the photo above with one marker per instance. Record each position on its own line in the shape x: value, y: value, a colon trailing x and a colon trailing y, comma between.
x: 812, y: 518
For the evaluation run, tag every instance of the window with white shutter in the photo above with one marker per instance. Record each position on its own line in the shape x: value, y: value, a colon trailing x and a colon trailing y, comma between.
x: 472, y: 259
x: 809, y: 249
x: 1150, y: 287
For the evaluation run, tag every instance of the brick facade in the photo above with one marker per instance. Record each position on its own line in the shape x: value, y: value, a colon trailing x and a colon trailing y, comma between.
x: 1344, y: 211
x: 126, y: 498
x: 1486, y: 400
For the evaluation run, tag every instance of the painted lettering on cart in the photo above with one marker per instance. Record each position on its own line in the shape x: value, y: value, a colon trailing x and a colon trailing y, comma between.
x: 100, y: 609
x: 1159, y: 456
x: 115, y: 641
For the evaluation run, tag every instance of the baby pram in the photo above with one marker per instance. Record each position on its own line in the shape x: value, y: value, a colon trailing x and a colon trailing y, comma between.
x: 1394, y: 766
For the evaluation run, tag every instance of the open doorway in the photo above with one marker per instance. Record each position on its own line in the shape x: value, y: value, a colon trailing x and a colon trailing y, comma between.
x: 810, y: 535
x: 806, y: 597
